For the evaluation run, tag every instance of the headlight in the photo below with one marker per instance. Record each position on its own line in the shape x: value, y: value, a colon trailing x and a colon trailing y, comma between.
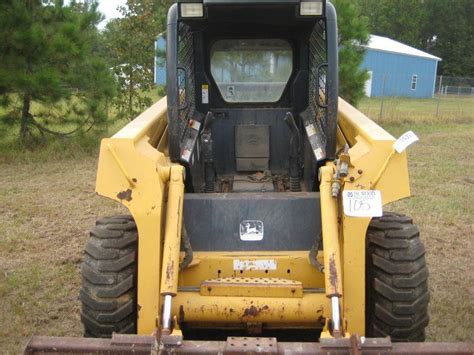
x: 311, y: 8
x: 192, y: 10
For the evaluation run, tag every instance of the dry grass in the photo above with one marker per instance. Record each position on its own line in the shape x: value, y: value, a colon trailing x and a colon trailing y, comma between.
x: 397, y: 110
x: 47, y: 206
x: 442, y: 182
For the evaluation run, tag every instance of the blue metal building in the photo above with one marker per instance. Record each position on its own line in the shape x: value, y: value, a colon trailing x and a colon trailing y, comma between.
x: 396, y: 69
x: 160, y: 60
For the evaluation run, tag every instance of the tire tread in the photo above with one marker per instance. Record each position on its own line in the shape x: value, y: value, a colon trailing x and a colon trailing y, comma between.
x: 108, y: 293
x: 397, y: 294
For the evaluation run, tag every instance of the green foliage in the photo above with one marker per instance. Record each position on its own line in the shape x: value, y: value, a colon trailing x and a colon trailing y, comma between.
x: 403, y: 20
x: 46, y: 51
x: 353, y: 34
x: 450, y: 33
x: 131, y: 43
x: 441, y: 27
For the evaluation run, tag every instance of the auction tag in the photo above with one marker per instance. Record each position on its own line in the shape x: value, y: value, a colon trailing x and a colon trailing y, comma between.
x: 362, y: 203
x: 205, y: 93
x: 404, y: 141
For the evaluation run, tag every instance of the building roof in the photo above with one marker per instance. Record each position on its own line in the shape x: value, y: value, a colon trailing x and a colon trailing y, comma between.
x: 389, y: 45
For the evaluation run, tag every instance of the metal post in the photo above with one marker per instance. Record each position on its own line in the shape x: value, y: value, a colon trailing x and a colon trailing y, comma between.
x: 383, y: 94
x: 167, y: 312
x: 439, y: 94
x: 336, y: 318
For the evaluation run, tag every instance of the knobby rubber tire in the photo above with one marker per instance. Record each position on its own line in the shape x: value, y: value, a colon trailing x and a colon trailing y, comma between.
x: 108, y: 293
x: 397, y: 294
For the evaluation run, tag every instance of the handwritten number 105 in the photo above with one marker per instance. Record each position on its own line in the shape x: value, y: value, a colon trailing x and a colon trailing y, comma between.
x: 359, y: 205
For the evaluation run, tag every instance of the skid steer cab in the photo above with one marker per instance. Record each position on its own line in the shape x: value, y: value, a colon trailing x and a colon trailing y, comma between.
x: 255, y: 198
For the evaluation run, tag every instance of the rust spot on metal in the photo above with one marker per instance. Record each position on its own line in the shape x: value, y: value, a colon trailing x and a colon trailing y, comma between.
x: 332, y: 272
x: 169, y: 270
x: 125, y: 195
x: 356, y: 344
x: 252, y: 311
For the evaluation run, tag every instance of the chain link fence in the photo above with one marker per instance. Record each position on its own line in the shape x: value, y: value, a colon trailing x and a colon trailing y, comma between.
x: 418, y: 98
x: 454, y: 85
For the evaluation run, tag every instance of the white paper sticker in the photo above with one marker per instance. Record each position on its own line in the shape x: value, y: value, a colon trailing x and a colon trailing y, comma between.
x: 205, y: 93
x: 319, y: 154
x: 251, y: 230
x: 362, y: 203
x: 186, y: 154
x: 261, y: 264
x: 404, y: 141
x: 310, y: 130
x: 195, y: 124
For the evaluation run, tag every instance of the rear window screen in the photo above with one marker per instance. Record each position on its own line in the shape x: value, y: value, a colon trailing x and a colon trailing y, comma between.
x: 251, y: 70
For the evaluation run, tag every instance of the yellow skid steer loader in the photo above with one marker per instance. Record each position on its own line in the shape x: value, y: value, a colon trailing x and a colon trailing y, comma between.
x: 255, y: 198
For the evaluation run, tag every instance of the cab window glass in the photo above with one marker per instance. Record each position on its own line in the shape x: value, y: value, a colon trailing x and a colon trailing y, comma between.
x: 251, y: 70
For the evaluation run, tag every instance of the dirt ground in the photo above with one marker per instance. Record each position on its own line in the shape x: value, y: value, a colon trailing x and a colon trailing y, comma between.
x: 48, y: 205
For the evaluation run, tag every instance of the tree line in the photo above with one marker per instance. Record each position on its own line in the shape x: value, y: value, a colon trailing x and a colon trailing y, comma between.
x: 444, y: 28
x: 440, y: 27
x: 60, y: 74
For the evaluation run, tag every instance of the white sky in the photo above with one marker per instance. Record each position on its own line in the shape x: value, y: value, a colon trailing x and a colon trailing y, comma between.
x: 109, y: 9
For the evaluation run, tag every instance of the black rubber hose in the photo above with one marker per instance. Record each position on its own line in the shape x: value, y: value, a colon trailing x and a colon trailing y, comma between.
x: 295, y: 149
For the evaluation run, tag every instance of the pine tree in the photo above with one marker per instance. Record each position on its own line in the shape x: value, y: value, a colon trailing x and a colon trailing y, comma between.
x: 353, y: 34
x: 46, y: 58
x: 131, y: 44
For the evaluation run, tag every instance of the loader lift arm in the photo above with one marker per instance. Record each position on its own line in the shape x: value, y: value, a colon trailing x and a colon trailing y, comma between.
x: 366, y: 140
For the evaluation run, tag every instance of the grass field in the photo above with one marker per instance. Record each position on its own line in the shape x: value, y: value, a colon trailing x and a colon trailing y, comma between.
x: 397, y: 110
x: 47, y: 204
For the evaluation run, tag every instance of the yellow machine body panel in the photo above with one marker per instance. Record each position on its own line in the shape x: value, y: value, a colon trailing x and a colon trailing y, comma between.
x: 134, y: 170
